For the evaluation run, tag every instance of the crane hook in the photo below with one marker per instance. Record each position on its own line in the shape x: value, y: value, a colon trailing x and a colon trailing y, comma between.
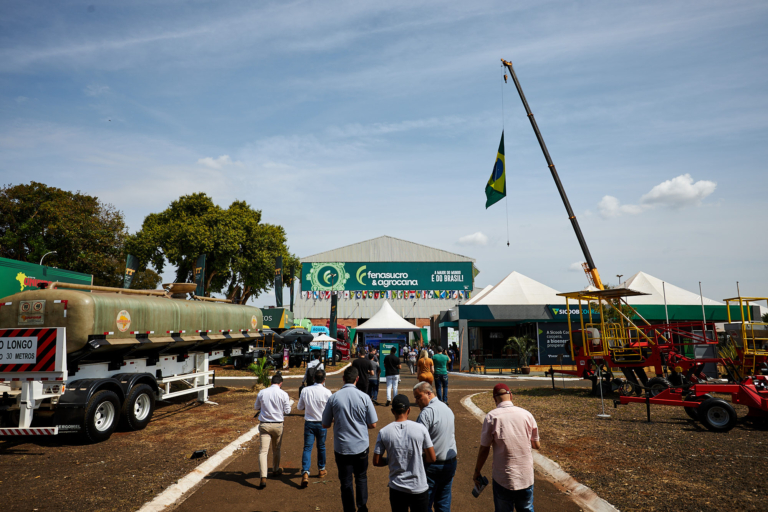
x: 505, y: 78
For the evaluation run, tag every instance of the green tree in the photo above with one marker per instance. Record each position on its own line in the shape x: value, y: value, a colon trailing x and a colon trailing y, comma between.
x: 240, y: 249
x: 87, y: 235
x: 146, y: 279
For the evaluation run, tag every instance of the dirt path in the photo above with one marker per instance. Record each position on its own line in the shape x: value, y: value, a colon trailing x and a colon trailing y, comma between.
x: 235, y: 487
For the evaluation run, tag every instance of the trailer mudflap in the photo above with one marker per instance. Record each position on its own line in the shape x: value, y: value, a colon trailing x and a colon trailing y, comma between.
x: 38, y: 431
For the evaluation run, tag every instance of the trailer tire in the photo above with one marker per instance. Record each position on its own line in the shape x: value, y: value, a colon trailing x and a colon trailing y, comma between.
x: 102, y: 414
x: 693, y: 412
x: 717, y: 415
x: 658, y: 384
x: 337, y: 357
x: 138, y: 407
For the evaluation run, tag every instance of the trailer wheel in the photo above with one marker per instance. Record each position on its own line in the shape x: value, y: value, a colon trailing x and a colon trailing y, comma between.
x: 717, y: 415
x: 624, y: 387
x: 337, y: 357
x: 693, y: 412
x: 138, y: 407
x: 101, y: 416
x: 658, y: 384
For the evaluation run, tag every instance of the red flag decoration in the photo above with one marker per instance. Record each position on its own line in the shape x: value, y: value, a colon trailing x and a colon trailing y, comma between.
x: 376, y: 294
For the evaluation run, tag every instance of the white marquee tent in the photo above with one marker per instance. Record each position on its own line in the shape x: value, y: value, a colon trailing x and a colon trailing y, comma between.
x: 653, y: 286
x: 517, y: 289
x: 386, y: 320
x: 478, y: 295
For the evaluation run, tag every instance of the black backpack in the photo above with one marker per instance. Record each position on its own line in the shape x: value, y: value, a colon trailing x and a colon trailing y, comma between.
x: 311, y: 376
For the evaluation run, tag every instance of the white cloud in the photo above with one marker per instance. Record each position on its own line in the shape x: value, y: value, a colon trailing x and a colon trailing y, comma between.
x: 21, y: 99
x: 575, y: 267
x: 610, y: 206
x: 96, y: 90
x: 218, y: 163
x: 676, y: 193
x: 474, y: 239
x: 679, y: 192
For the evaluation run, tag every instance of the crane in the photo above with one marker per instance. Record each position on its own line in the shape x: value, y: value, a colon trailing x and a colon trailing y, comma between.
x: 589, y: 266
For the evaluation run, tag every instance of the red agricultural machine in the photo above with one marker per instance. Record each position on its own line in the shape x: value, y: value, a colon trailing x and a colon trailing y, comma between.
x: 607, y: 337
x: 611, y: 334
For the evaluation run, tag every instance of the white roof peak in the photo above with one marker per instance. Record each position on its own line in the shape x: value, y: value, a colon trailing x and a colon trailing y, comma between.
x: 655, y: 287
x: 517, y: 288
x: 387, y: 320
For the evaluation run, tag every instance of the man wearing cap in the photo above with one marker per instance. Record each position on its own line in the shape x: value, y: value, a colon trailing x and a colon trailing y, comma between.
x: 353, y: 414
x: 405, y: 442
x: 513, y: 433
x: 438, y: 418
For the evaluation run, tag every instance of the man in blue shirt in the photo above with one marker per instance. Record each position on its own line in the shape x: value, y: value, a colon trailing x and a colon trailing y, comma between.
x: 405, y: 442
x: 353, y: 414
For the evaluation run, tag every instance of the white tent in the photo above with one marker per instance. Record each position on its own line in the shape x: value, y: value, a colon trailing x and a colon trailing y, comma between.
x: 386, y: 320
x: 322, y: 337
x: 478, y: 295
x: 519, y: 289
x: 677, y: 296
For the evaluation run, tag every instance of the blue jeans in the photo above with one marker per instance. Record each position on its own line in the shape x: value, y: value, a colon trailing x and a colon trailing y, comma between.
x: 313, y: 430
x: 373, y: 388
x: 441, y: 383
x: 440, y: 479
x: 505, y: 500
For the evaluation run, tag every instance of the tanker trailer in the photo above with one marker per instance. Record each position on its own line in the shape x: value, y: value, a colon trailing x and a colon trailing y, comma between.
x: 83, y: 359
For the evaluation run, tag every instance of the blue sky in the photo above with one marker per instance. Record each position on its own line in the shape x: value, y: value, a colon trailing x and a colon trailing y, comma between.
x: 344, y: 121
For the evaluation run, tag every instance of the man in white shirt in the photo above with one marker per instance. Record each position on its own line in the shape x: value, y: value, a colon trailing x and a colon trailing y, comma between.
x: 312, y: 401
x: 273, y: 404
x: 405, y: 441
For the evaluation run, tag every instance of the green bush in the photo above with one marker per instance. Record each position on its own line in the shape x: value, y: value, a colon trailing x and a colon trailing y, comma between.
x: 261, y: 371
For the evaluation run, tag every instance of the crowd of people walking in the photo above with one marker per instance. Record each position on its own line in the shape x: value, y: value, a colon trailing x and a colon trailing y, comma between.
x: 421, y: 455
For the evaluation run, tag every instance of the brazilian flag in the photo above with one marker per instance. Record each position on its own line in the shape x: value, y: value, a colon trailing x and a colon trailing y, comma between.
x: 496, y: 188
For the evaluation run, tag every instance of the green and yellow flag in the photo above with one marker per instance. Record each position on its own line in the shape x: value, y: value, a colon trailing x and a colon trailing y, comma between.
x: 496, y: 189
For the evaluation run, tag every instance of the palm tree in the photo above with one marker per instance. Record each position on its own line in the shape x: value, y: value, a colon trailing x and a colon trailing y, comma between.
x: 523, y: 345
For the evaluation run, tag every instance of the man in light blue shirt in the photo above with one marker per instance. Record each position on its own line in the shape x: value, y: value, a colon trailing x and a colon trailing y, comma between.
x: 404, y: 442
x: 439, y: 420
x: 352, y: 414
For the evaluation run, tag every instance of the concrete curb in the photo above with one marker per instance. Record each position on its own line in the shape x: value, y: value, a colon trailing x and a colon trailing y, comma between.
x: 172, y: 494
x: 507, y: 377
x: 551, y: 470
x: 284, y: 376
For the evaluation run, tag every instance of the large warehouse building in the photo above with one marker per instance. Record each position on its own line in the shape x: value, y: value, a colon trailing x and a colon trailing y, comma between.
x: 417, y: 281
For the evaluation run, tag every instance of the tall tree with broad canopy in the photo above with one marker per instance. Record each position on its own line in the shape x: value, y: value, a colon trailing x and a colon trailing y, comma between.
x: 240, y: 250
x: 87, y: 235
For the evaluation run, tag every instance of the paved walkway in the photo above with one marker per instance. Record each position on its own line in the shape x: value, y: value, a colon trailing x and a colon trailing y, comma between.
x: 235, y: 487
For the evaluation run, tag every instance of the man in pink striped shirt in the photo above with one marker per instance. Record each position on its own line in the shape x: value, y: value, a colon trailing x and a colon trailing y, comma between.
x: 513, y: 433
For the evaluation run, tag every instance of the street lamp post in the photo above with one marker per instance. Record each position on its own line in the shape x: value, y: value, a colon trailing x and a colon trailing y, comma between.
x: 619, y: 276
x: 46, y: 254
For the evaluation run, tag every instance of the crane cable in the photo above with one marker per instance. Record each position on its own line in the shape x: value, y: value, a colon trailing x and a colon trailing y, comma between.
x: 506, y: 199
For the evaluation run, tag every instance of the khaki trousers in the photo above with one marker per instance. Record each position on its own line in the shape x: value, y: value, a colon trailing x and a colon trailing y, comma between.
x: 269, y: 432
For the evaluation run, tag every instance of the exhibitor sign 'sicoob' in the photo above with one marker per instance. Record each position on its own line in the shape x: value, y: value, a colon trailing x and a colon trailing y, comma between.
x: 386, y: 276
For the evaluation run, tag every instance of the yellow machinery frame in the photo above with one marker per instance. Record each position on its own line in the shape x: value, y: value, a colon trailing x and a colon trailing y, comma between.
x: 615, y: 337
x: 754, y: 346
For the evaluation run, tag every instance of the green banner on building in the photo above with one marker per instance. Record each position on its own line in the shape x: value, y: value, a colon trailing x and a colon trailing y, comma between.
x: 19, y: 276
x: 386, y: 276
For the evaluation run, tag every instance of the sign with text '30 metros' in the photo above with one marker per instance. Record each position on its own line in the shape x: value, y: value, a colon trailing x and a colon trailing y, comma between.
x: 386, y: 276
